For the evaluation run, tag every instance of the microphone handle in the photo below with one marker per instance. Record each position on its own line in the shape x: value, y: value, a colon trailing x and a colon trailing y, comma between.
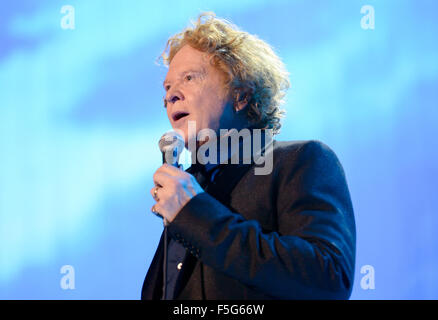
x: 164, y: 296
x: 164, y: 290
x: 174, y: 158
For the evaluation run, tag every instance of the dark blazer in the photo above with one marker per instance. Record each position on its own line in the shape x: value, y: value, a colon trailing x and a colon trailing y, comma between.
x: 286, y: 235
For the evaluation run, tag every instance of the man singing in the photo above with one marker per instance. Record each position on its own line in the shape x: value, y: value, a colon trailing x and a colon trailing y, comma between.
x: 233, y: 233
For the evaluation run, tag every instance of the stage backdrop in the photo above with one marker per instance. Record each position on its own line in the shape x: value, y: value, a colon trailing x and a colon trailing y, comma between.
x: 81, y: 112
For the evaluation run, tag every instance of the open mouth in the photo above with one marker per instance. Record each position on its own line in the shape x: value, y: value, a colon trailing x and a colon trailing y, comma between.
x: 179, y: 115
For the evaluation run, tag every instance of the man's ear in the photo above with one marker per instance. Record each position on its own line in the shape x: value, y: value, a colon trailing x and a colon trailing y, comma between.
x: 242, y: 98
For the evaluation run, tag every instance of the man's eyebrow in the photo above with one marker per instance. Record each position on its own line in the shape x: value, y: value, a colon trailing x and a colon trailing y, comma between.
x: 195, y: 70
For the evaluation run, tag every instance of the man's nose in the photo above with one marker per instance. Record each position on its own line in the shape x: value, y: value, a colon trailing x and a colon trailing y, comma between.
x: 173, y: 95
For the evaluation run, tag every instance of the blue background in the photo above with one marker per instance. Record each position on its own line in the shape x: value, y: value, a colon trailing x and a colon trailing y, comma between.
x: 81, y: 113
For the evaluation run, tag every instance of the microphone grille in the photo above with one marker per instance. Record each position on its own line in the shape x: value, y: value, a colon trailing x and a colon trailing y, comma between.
x: 171, y: 139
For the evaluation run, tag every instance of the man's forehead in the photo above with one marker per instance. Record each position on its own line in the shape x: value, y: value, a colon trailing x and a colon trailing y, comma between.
x: 188, y: 56
x: 188, y: 59
x: 187, y: 67
x: 183, y: 69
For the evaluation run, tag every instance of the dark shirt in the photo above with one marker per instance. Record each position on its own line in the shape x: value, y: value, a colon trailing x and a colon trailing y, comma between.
x: 175, y: 253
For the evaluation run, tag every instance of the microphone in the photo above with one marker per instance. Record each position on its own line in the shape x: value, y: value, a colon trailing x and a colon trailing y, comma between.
x: 171, y: 145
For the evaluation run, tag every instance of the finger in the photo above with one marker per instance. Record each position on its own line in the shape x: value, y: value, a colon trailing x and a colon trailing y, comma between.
x: 158, y: 185
x: 154, y: 193
x: 162, y: 179
x: 156, y: 211
x: 172, y: 170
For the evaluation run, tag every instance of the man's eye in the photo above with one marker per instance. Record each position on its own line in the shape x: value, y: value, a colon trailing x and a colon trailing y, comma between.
x: 189, y: 77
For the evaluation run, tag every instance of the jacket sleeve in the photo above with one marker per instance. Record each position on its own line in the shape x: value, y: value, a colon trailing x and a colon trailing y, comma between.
x: 310, y: 256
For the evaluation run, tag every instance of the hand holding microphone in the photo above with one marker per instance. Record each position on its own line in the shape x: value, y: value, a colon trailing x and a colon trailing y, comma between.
x: 173, y: 186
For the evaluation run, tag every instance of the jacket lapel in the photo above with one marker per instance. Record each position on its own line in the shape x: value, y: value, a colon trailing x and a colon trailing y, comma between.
x: 225, y: 181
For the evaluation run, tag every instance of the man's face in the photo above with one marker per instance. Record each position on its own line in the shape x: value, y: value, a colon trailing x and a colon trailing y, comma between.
x: 195, y: 91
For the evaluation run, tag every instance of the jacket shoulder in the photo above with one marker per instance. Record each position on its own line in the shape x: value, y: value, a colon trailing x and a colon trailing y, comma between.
x: 301, y: 145
x: 302, y: 149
